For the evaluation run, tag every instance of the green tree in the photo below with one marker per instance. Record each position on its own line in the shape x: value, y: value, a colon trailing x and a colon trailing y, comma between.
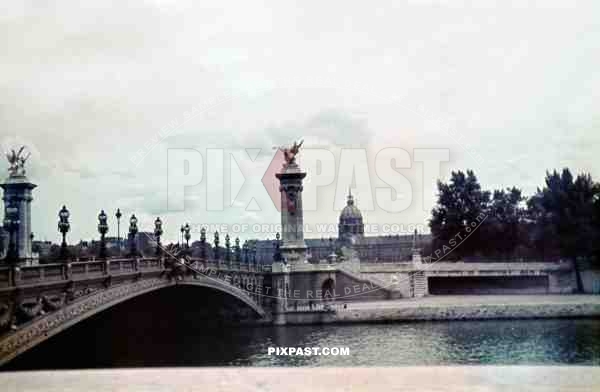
x: 461, y: 202
x: 503, y: 228
x: 563, y: 213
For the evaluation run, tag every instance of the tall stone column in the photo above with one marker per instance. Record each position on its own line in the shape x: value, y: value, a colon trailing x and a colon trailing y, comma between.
x: 293, y: 247
x: 18, y: 194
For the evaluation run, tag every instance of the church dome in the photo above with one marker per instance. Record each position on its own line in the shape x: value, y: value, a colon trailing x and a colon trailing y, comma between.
x: 351, y: 222
x: 350, y: 212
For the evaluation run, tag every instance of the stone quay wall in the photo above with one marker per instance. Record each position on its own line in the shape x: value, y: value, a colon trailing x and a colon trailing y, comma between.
x: 470, y: 313
x: 478, y: 277
x: 442, y: 309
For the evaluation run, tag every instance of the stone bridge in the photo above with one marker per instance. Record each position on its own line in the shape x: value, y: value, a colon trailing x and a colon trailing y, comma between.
x: 37, y: 302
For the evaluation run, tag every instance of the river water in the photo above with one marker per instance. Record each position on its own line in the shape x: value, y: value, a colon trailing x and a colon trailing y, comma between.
x: 138, y: 335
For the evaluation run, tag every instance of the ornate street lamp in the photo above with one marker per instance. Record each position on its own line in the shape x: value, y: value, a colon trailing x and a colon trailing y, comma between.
x: 133, y: 230
x: 245, y: 252
x: 186, y: 235
x: 277, y: 255
x: 216, y: 241
x: 203, y: 243
x: 237, y: 250
x: 63, y: 227
x: 227, y: 249
x: 158, y: 231
x: 102, y: 229
x: 11, y: 224
x: 118, y: 215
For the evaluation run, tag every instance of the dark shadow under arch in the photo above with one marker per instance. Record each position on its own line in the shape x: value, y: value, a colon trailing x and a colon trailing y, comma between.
x: 328, y: 290
x: 43, y: 332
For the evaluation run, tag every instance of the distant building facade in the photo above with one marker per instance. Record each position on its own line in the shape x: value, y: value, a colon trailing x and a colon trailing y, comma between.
x: 370, y: 249
x: 145, y: 243
x: 42, y: 248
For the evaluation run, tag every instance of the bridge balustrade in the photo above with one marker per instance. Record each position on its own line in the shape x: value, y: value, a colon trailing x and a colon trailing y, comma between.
x: 56, y: 272
x: 150, y: 264
x: 88, y: 269
x: 82, y: 270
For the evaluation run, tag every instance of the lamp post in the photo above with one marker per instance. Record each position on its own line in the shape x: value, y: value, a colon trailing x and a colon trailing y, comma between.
x: 203, y: 244
x: 133, y: 229
x: 216, y: 241
x: 227, y: 249
x: 118, y: 215
x: 245, y: 252
x: 181, y: 235
x: 237, y: 250
x: 11, y: 223
x: 186, y: 235
x: 63, y: 227
x: 277, y: 256
x: 102, y: 229
x: 158, y: 231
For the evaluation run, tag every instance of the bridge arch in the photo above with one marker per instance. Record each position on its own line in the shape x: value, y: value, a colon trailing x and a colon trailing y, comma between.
x: 44, y: 327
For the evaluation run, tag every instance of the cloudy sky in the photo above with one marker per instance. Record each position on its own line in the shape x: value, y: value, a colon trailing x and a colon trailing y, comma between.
x: 509, y: 90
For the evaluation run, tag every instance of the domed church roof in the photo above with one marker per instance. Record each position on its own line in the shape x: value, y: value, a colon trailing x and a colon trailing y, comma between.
x: 350, y: 212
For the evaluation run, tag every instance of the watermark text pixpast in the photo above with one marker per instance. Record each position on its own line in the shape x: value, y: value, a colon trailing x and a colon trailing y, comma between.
x: 379, y: 178
x: 308, y: 351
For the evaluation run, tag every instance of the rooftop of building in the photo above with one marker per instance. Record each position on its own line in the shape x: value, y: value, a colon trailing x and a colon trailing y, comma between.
x: 350, y: 211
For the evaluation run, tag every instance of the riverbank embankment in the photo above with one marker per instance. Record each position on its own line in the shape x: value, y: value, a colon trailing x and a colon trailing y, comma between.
x: 439, y: 308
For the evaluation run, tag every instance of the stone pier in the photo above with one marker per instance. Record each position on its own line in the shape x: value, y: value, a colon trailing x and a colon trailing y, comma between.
x: 17, y: 206
x: 293, y: 247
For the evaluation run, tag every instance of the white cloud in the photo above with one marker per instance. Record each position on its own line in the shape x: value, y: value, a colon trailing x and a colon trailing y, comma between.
x: 86, y: 86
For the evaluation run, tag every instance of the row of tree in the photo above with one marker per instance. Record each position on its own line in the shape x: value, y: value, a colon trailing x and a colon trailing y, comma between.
x: 561, y: 220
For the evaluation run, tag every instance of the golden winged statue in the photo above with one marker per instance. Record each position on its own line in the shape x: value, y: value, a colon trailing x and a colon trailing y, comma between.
x: 17, y: 161
x: 289, y: 154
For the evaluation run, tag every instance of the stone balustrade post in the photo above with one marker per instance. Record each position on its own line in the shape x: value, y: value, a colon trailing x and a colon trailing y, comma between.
x: 16, y: 275
x: 68, y: 271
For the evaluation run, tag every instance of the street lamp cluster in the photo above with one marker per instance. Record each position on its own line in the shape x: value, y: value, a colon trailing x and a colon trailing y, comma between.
x: 228, y: 253
x: 244, y: 254
x: 240, y: 254
x: 64, y: 226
